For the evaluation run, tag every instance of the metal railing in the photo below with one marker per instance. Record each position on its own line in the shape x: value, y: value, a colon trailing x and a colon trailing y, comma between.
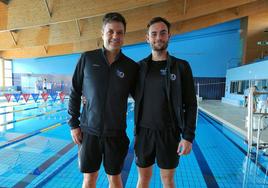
x: 254, y: 143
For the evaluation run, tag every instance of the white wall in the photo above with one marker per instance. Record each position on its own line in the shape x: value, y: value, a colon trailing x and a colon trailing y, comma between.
x: 253, y: 71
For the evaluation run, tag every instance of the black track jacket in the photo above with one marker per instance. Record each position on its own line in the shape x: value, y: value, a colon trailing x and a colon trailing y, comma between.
x: 106, y: 88
x: 180, y: 94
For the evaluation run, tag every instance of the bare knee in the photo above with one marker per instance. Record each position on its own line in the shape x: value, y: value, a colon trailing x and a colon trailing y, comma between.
x: 115, y: 181
x: 90, y: 180
x: 145, y: 175
x: 167, y: 178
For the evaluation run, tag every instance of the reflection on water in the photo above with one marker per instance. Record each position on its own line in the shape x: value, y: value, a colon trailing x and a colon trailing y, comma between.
x: 255, y: 170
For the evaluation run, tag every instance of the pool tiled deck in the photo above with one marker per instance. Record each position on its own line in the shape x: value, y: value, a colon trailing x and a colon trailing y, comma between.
x: 230, y: 115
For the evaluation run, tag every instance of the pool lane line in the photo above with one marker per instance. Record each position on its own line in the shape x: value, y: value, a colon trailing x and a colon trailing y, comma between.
x: 128, y: 162
x: 19, y: 104
x: 253, y: 159
x: 26, y: 136
x: 30, y: 108
x: 26, y: 103
x: 124, y: 173
x: 25, y: 109
x: 41, y: 168
x: 54, y: 173
x: 207, y: 173
x: 34, y: 116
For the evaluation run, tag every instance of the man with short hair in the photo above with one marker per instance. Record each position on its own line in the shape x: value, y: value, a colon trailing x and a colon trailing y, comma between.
x: 165, y: 108
x: 105, y: 77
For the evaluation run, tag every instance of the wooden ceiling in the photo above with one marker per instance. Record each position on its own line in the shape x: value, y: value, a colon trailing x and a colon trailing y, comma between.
x: 37, y: 28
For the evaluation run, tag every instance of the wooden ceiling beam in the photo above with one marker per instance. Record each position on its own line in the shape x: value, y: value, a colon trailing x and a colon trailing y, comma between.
x: 5, y: 1
x: 3, y: 16
x: 42, y: 51
x: 78, y: 27
x: 184, y: 7
x: 46, y: 49
x: 169, y: 9
x: 256, y: 32
x: 138, y: 36
x: 13, y: 38
x: 67, y: 32
x: 55, y: 35
x: 174, y: 10
x: 138, y: 10
x: 38, y: 51
x: 220, y: 17
x: 34, y: 13
x: 47, y: 8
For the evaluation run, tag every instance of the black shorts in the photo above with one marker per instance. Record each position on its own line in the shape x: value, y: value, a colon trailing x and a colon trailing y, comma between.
x: 94, y: 149
x: 161, y: 145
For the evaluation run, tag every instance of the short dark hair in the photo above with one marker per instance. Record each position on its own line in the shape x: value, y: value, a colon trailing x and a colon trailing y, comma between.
x: 114, y: 16
x: 158, y: 19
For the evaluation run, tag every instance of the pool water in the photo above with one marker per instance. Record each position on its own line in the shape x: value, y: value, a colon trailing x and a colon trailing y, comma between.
x: 36, y: 150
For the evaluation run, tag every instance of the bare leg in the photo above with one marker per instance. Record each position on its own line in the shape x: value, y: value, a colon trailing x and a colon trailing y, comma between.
x: 115, y: 181
x: 90, y: 180
x: 145, y: 175
x: 167, y: 177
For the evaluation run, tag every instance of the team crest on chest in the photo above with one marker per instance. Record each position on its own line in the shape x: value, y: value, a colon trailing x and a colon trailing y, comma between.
x: 120, y: 74
x: 173, y: 77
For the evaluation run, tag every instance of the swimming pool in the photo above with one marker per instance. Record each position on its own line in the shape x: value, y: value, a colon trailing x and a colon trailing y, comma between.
x: 36, y: 151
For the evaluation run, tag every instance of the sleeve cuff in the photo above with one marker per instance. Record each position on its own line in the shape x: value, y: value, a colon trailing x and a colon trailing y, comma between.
x: 189, y: 138
x: 74, y: 123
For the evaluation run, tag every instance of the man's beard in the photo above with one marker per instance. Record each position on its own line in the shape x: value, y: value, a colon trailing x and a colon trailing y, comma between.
x: 160, y: 48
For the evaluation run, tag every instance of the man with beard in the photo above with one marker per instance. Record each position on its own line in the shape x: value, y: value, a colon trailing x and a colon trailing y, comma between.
x: 105, y: 77
x: 165, y: 108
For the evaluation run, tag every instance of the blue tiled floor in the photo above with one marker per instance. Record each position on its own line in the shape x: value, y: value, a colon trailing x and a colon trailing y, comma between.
x: 49, y: 159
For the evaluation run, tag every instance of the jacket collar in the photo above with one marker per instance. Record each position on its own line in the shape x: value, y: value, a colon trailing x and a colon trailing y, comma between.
x: 148, y: 59
x: 104, y: 50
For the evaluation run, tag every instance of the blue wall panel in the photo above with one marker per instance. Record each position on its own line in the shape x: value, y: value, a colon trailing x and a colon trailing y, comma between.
x: 209, y: 52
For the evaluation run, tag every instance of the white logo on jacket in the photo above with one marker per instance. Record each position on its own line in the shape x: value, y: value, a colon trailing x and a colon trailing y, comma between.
x: 95, y: 65
x: 173, y: 77
x: 163, y: 72
x: 120, y: 74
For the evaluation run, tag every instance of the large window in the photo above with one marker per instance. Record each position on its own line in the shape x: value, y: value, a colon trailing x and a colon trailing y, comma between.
x: 260, y: 83
x: 8, y: 80
x: 1, y: 73
x: 238, y: 87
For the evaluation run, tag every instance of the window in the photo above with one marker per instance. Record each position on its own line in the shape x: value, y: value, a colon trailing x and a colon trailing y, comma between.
x: 8, y: 79
x: 233, y: 88
x: 8, y: 73
x: 245, y: 85
x: 260, y: 83
x: 1, y: 73
x: 8, y: 82
x: 8, y: 64
x: 239, y: 87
